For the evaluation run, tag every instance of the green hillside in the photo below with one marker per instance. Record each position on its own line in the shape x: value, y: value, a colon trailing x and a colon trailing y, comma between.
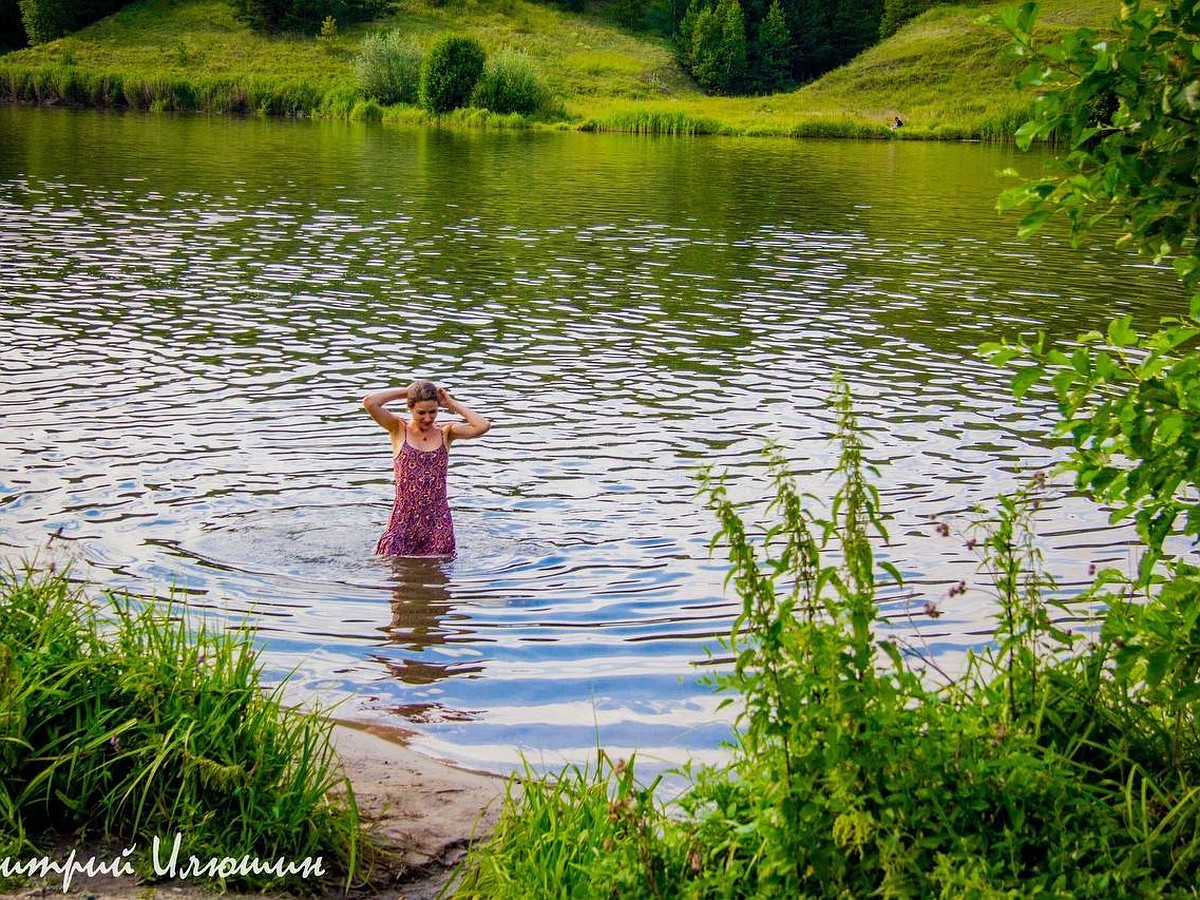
x: 943, y: 74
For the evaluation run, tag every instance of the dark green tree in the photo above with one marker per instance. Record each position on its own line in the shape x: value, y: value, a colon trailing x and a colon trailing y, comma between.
x: 12, y: 29
x: 794, y: 40
x: 810, y: 24
x: 734, y: 46
x: 855, y: 27
x: 685, y: 38
x: 718, y: 55
x: 703, y: 35
x: 771, y: 51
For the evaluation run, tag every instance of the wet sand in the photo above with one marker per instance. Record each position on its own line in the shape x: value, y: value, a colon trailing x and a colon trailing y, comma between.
x: 427, y: 810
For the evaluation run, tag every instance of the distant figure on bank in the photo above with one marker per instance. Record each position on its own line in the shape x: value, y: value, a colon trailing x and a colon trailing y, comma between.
x: 897, y: 124
x: 421, y: 524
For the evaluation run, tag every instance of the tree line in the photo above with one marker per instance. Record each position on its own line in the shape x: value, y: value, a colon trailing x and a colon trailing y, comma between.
x: 763, y: 46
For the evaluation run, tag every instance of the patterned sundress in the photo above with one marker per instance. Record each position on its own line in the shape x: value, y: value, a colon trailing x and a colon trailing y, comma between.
x: 420, y: 524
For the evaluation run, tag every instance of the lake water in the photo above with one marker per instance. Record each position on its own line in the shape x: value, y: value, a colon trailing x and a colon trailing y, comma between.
x: 192, y: 309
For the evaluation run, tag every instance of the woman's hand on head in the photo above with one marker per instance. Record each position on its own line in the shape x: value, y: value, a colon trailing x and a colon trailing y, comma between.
x: 444, y: 398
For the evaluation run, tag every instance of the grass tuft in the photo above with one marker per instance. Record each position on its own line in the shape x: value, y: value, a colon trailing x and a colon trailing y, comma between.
x: 130, y: 722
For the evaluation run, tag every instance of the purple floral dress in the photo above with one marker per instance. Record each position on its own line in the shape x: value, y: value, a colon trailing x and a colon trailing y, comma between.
x: 420, y: 523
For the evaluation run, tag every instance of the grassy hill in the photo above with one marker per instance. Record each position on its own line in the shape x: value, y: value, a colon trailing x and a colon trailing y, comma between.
x: 943, y: 74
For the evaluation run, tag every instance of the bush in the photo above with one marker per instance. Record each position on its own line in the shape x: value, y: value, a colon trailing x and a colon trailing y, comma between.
x: 389, y: 68
x: 510, y: 84
x: 449, y: 73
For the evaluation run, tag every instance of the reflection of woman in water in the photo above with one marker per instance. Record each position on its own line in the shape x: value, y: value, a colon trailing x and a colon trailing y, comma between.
x: 421, y: 523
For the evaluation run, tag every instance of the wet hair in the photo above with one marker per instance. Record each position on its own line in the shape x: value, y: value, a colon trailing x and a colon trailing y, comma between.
x: 421, y: 390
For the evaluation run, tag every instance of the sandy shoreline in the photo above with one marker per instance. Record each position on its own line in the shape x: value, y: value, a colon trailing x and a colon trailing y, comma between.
x: 424, y: 810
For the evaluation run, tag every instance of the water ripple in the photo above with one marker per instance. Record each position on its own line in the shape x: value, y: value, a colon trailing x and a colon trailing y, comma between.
x: 187, y: 330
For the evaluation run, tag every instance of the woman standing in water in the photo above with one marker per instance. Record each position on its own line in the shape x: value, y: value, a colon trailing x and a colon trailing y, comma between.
x: 421, y: 524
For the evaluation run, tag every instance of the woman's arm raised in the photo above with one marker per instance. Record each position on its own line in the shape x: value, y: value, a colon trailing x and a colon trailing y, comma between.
x: 473, y: 424
x: 375, y: 405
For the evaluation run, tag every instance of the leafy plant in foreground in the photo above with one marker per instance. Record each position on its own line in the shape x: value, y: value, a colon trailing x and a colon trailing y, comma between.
x: 851, y: 776
x: 1128, y: 113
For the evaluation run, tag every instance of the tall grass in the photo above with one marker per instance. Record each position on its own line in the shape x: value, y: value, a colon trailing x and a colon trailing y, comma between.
x: 543, y: 855
x: 73, y: 86
x: 675, y: 123
x: 132, y: 723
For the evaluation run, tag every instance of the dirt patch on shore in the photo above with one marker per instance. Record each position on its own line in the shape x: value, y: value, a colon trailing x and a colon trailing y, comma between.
x: 425, y: 813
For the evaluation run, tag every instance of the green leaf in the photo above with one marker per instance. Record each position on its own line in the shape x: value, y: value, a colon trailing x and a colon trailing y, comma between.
x: 1081, y: 362
x: 1027, y: 17
x: 999, y: 354
x: 1026, y: 134
x: 1033, y: 222
x: 1106, y: 367
x: 1157, y: 663
x: 1013, y: 197
x: 1025, y: 379
x: 1121, y: 332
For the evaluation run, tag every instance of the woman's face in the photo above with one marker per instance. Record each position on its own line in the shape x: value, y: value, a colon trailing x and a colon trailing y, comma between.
x: 424, y: 412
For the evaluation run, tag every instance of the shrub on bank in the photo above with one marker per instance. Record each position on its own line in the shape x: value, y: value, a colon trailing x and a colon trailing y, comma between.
x: 449, y: 72
x: 510, y: 83
x: 129, y: 723
x: 388, y: 68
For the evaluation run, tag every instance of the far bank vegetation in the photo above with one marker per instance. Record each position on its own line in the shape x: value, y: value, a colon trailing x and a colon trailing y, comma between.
x: 647, y: 66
